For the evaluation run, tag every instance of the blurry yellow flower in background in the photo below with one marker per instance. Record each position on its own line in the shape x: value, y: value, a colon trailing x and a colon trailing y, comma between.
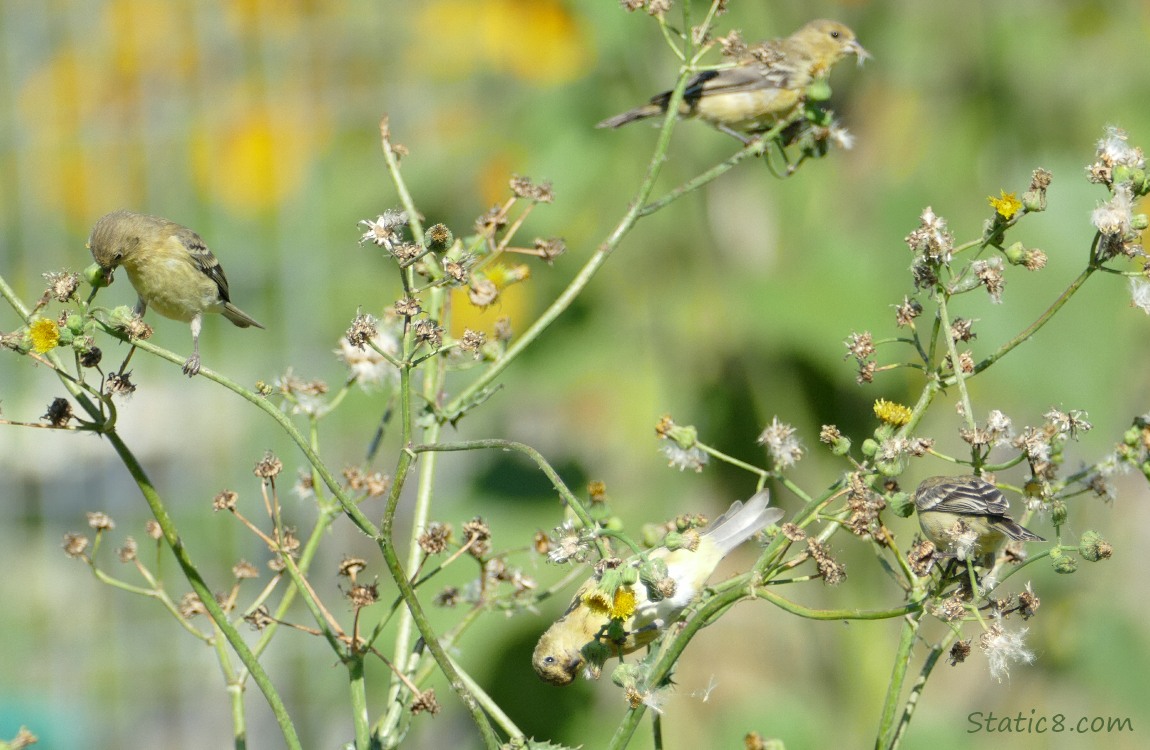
x: 260, y: 155
x: 537, y: 41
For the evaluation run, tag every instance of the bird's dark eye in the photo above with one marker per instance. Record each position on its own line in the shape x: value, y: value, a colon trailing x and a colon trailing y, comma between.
x: 834, y: 35
x: 549, y: 660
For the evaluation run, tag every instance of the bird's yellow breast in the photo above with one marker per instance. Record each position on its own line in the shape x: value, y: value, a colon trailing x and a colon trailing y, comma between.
x: 172, y: 284
x: 747, y: 110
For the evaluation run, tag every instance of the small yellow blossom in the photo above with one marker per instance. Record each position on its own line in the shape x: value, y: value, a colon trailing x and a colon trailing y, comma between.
x: 1006, y: 205
x: 45, y: 335
x: 624, y: 604
x: 597, y: 601
x: 891, y: 413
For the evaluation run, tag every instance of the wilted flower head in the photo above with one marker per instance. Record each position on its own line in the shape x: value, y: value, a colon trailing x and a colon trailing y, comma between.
x: 1003, y: 647
x: 1068, y: 423
x: 999, y: 427
x: 384, y: 230
x: 989, y: 274
x: 1115, y: 216
x: 931, y: 240
x: 367, y: 365
x: 784, y: 447
x: 1140, y: 293
x: 684, y: 458
x: 1114, y: 150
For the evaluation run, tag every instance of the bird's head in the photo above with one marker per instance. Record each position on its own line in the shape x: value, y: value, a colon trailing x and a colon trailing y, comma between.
x: 554, y: 662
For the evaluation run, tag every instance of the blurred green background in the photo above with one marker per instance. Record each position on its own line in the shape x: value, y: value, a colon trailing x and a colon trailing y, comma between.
x: 256, y: 123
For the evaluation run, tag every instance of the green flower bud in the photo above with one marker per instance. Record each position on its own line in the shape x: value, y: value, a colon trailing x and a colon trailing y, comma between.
x: 596, y: 652
x: 652, y: 571
x: 625, y: 675
x: 901, y: 504
x: 1016, y: 254
x: 1138, y: 222
x: 1058, y: 512
x: 1122, y: 173
x: 96, y: 276
x: 438, y: 238
x: 1062, y: 562
x: 884, y: 431
x: 819, y: 90
x: 1138, y: 177
x: 629, y: 575
x: 891, y: 468
x: 841, y: 446
x: 610, y: 580
x: 1093, y: 547
x: 1132, y: 436
x: 870, y: 447
x: 612, y: 523
x: 1034, y: 200
x: 651, y: 534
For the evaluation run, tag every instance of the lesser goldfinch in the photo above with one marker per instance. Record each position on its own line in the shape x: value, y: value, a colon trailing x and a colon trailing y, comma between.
x: 171, y: 269
x: 967, y: 516
x: 760, y: 89
x: 562, y: 650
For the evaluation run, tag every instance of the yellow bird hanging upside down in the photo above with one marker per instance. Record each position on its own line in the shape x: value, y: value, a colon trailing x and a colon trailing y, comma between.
x: 762, y: 88
x: 639, y: 614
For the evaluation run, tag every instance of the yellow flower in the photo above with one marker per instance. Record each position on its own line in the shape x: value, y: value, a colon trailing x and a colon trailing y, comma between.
x: 624, y: 604
x: 1006, y: 205
x: 597, y: 601
x: 891, y: 413
x: 45, y: 335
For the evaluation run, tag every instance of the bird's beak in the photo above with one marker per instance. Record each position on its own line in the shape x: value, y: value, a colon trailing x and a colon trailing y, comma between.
x: 573, y: 664
x: 859, y: 52
x: 98, y: 277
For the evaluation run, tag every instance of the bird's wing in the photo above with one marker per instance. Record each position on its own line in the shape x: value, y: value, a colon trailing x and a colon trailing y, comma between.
x: 203, y: 258
x: 970, y: 497
x: 750, y: 76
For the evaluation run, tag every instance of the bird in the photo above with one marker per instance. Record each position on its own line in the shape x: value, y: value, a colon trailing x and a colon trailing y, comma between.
x: 563, y: 649
x: 760, y: 89
x: 171, y: 269
x: 967, y: 516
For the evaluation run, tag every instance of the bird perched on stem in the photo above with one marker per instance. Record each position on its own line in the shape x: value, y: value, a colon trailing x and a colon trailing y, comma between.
x: 627, y: 607
x: 171, y: 269
x: 967, y: 516
x: 763, y: 87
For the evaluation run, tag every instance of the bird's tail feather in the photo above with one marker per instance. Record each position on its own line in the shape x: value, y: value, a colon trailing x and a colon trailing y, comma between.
x: 239, y: 317
x: 742, y: 520
x: 631, y: 115
x: 1017, y: 531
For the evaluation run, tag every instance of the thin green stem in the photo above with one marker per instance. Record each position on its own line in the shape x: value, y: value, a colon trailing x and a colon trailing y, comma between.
x: 887, y: 729
x: 955, y: 364
x: 430, y: 640
x: 932, y: 658
x: 836, y: 614
x: 477, y: 387
x: 493, y: 708
x: 192, y: 573
x: 1042, y: 320
x: 357, y: 688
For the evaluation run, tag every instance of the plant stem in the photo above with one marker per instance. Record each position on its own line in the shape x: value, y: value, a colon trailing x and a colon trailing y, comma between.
x: 207, y: 598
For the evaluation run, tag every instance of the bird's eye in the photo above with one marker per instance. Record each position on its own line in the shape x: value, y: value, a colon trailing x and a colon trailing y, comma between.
x: 834, y: 35
x: 549, y: 660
